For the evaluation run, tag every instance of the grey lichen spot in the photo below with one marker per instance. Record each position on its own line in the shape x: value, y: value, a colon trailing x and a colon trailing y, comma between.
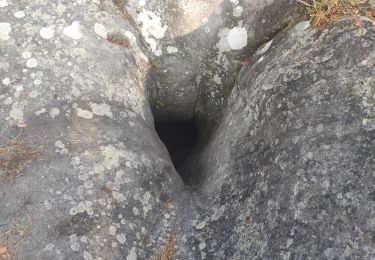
x: 121, y: 238
x: 75, y: 246
x: 201, y: 225
x: 5, y: 29
x: 132, y: 255
x: 87, y: 256
x: 202, y: 246
x: 17, y: 113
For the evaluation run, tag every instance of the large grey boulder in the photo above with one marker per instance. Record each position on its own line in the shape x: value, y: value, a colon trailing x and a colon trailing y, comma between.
x: 287, y: 174
x: 102, y: 179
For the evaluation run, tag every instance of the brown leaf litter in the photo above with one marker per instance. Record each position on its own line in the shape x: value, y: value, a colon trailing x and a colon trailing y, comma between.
x: 168, y: 250
x: 14, y: 156
x: 322, y: 12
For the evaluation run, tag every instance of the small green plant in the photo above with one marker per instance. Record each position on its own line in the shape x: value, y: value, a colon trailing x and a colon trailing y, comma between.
x: 154, y: 64
x: 159, y: 104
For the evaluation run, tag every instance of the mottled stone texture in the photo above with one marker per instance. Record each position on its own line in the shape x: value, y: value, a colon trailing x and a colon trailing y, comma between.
x: 192, y: 79
x: 288, y: 173
x: 291, y: 168
x: 100, y: 189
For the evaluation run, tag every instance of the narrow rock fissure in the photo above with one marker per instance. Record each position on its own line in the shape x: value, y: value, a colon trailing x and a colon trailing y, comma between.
x: 179, y: 137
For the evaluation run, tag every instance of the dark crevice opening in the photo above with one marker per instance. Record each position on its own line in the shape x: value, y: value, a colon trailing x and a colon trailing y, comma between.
x: 179, y: 137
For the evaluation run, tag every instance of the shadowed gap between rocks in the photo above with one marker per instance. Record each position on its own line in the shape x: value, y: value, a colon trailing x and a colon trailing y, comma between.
x: 181, y: 106
x: 179, y: 137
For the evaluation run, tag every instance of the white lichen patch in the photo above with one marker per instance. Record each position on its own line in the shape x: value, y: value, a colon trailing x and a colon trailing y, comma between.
x: 49, y: 247
x: 34, y: 93
x: 121, y: 238
x: 75, y: 246
x: 37, y: 82
x: 17, y: 112
x: 112, y: 156
x: 87, y: 256
x: 100, y: 30
x: 222, y: 45
x: 47, y: 204
x: 31, y: 63
x: 84, y: 113
x: 8, y: 101
x: 79, y: 52
x: 6, y: 81
x: 132, y: 255
x: 81, y: 208
x: 19, y: 14
x: 171, y: 49
x: 201, y: 225
x: 152, y: 43
x: 5, y: 29
x: 73, y: 31
x: 217, y: 79
x: 118, y: 196
x: 151, y: 25
x: 54, y: 112
x: 61, y: 148
x: 3, y: 3
x: 101, y: 109
x: 59, y: 144
x: 267, y: 86
x: 26, y: 55
x: 237, y: 11
x: 237, y: 38
x: 112, y: 230
x: 40, y: 111
x: 153, y: 30
x: 47, y: 33
x: 217, y: 213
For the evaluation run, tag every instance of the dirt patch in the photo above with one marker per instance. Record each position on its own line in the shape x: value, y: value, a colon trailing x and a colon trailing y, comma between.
x: 168, y: 250
x: 321, y: 12
x: 15, y: 155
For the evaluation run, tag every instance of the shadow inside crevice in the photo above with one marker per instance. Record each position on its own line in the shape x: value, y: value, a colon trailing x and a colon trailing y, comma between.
x: 179, y: 137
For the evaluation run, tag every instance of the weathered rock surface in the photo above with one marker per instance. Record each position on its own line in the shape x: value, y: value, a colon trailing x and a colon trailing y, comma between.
x: 100, y: 188
x: 200, y: 48
x: 290, y: 171
x: 288, y: 174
